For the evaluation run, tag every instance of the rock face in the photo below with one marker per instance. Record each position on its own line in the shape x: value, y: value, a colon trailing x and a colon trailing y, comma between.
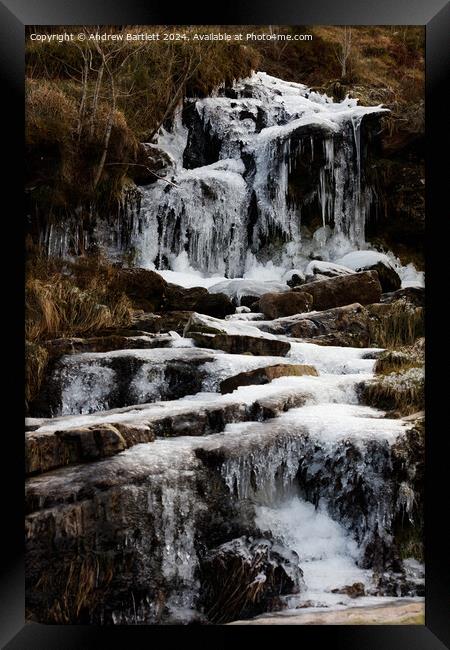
x: 265, y: 375
x: 246, y: 577
x: 242, y: 344
x: 57, y: 442
x: 277, y: 305
x: 145, y: 289
x: 364, y: 288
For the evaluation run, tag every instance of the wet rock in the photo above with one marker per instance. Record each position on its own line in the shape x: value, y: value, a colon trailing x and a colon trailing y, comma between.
x: 246, y: 577
x: 146, y: 289
x: 241, y: 344
x: 397, y: 585
x: 363, y: 288
x: 265, y: 375
x: 49, y: 450
x: 89, y: 382
x: 277, y: 305
x: 356, y: 590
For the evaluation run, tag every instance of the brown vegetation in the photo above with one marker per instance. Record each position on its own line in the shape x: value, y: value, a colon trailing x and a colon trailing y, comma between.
x: 68, y: 299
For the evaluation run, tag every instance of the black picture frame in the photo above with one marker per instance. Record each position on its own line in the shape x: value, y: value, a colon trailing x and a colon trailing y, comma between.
x: 435, y: 15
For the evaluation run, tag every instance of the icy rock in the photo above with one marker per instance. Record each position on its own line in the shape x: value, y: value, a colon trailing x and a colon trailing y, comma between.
x: 294, y: 278
x: 374, y: 261
x: 210, y: 325
x: 277, y: 305
x: 265, y: 375
x: 363, y: 288
x: 241, y: 344
x: 327, y: 269
x: 107, y: 343
x: 84, y: 383
x: 245, y: 577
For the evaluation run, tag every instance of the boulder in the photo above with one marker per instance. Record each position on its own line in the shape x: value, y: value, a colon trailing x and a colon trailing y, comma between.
x: 363, y: 288
x: 265, y: 376
x: 241, y: 344
x: 356, y: 590
x: 374, y: 261
x: 245, y: 577
x: 218, y: 305
x: 182, y: 298
x: 277, y: 305
x: 172, y: 321
x: 198, y: 299
x: 346, y: 326
x: 145, y: 289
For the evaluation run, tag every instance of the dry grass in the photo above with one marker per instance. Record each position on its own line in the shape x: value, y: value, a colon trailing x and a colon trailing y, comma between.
x: 67, y: 299
x: 60, y: 308
x: 36, y: 359
x: 401, y: 393
x: 396, y: 324
x: 82, y: 584
x: 401, y: 359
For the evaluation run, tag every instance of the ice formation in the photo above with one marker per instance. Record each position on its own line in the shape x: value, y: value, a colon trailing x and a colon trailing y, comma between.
x: 232, y: 192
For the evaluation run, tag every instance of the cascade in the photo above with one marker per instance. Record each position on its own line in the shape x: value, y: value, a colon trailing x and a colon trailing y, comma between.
x: 242, y: 182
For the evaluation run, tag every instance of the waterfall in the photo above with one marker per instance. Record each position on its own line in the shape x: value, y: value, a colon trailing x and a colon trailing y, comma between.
x: 241, y: 184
